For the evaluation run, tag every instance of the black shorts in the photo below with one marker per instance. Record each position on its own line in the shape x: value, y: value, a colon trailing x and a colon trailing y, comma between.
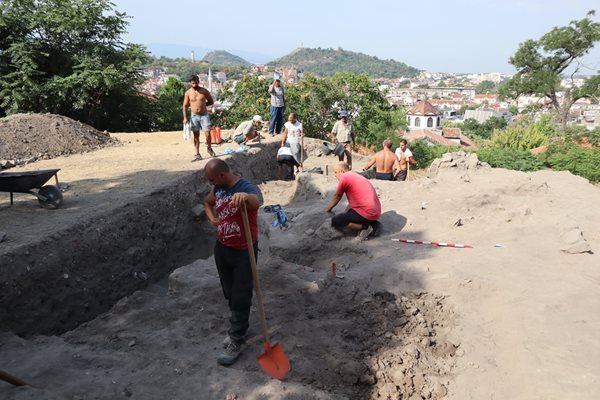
x: 343, y: 219
x: 402, y: 175
x: 384, y: 176
x: 286, y: 159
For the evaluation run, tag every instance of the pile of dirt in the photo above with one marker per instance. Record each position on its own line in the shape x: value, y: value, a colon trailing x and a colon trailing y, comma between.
x: 25, y: 138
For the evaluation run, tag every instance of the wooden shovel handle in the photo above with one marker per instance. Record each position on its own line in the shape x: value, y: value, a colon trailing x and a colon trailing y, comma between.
x: 259, y: 298
x: 5, y: 376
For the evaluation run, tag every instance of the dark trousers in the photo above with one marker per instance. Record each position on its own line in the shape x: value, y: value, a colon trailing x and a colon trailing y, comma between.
x: 276, y: 121
x: 235, y: 273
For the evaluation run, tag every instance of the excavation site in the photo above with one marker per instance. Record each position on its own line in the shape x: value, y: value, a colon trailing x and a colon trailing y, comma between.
x: 115, y: 294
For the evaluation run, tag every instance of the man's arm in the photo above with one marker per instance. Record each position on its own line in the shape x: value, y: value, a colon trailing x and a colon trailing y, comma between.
x: 251, y: 200
x: 352, y: 134
x: 272, y: 88
x: 334, y: 201
x: 209, y: 204
x: 209, y: 98
x: 284, y: 136
x: 186, y: 103
x: 412, y: 160
x: 370, y: 164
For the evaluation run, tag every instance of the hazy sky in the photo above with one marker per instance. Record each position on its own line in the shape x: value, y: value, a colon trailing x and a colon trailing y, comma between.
x: 436, y: 35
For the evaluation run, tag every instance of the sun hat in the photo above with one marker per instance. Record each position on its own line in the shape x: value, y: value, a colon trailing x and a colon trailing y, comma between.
x: 276, y: 76
x: 343, y: 113
x: 257, y: 118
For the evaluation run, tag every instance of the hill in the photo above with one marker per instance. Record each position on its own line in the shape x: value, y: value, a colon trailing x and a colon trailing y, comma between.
x: 325, y: 62
x: 222, y: 57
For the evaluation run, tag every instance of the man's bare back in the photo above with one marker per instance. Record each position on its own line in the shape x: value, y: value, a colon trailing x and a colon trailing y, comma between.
x: 385, y: 160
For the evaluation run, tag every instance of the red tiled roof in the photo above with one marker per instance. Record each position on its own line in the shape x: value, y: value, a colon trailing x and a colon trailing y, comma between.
x: 424, y: 108
x: 435, y: 138
x: 451, y: 133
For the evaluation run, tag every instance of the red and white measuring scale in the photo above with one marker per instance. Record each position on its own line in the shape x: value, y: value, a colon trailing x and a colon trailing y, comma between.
x: 440, y: 244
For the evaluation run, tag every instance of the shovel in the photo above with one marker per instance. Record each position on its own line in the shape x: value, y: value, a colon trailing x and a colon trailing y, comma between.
x: 273, y: 361
x: 5, y: 376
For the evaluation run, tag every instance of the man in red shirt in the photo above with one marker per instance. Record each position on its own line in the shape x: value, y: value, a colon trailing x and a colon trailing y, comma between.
x: 231, y: 250
x: 364, y: 208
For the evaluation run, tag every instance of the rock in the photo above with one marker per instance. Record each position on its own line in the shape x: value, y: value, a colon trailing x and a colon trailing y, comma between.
x: 327, y: 232
x: 198, y: 211
x: 2, y: 236
x: 367, y: 379
x: 573, y: 242
x: 309, y: 232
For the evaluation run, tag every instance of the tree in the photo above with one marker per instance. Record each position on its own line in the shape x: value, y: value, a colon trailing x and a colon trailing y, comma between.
x: 168, y: 107
x: 67, y: 57
x: 485, y: 87
x: 541, y: 64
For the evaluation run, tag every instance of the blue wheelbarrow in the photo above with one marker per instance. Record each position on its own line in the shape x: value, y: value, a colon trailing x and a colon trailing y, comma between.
x: 49, y: 196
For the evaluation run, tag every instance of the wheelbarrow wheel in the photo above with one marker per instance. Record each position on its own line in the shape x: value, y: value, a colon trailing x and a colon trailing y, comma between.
x: 50, y: 197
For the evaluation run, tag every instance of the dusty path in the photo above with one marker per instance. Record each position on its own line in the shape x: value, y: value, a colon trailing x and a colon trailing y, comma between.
x: 513, y: 322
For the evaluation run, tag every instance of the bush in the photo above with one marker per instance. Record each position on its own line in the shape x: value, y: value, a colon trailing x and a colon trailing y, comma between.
x: 519, y: 160
x: 567, y: 156
x: 424, y: 153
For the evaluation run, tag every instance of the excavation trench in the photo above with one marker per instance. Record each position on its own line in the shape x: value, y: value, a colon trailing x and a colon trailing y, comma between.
x: 357, y: 334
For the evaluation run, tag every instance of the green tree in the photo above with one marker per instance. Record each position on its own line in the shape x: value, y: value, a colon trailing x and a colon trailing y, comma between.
x: 486, y: 87
x: 522, y: 135
x: 168, y: 107
x: 541, y: 64
x: 67, y: 57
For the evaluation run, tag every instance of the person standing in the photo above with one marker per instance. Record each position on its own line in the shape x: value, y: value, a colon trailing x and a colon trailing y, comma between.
x: 364, y: 207
x: 386, y: 163
x: 406, y: 157
x: 198, y: 99
x: 277, y: 105
x: 223, y: 207
x: 343, y: 133
x: 293, y: 137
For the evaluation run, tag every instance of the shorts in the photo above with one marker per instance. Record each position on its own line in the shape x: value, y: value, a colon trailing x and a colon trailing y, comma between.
x: 402, y: 175
x: 295, y: 148
x: 285, y: 159
x: 200, y: 122
x: 384, y: 176
x: 239, y: 139
x: 341, y: 220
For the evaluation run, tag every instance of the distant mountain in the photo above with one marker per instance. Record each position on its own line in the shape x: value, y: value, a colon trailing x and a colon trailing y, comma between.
x: 172, y: 50
x: 325, y: 62
x: 222, y: 57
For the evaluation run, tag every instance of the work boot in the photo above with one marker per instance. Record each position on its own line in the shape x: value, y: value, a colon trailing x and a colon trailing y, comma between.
x: 231, y: 353
x: 364, y: 234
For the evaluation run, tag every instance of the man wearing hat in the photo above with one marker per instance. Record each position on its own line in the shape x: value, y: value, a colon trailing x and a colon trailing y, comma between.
x: 248, y: 130
x: 277, y: 105
x: 343, y: 133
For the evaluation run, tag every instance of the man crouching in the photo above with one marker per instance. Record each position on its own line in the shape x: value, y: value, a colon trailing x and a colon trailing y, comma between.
x: 364, y: 208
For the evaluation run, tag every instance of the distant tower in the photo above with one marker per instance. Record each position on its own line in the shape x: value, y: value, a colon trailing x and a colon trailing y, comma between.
x: 193, y: 56
x: 209, y: 80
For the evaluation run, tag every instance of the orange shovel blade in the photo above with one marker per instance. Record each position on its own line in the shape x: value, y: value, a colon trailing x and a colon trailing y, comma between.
x: 274, y: 361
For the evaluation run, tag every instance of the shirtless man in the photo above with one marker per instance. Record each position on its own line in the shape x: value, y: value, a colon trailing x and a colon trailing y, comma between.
x: 198, y: 99
x: 386, y: 163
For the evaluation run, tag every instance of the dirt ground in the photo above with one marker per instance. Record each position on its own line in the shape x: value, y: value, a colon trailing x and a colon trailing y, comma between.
x: 116, y: 296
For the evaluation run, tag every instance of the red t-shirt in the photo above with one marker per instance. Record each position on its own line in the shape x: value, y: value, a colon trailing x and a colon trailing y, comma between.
x: 361, y: 195
x: 230, y: 228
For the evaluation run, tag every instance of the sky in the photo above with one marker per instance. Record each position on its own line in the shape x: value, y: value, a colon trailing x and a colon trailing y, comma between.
x: 457, y: 36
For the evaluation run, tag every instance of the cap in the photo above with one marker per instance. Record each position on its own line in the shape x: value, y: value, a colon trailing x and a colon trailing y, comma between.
x: 257, y: 118
x: 276, y: 76
x: 343, y: 113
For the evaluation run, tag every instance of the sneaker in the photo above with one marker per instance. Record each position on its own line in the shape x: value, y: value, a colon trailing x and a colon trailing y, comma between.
x: 197, y: 157
x: 364, y: 234
x: 231, y: 353
x: 376, y: 229
x: 211, y: 152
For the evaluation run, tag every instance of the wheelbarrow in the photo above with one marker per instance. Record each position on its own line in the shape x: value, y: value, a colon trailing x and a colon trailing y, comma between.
x: 49, y: 196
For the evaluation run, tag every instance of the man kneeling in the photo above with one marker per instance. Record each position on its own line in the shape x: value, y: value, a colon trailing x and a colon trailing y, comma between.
x: 364, y: 208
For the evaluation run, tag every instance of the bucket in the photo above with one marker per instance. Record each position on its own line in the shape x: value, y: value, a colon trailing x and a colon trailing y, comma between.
x: 327, y: 148
x: 215, y: 135
x: 339, y: 149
